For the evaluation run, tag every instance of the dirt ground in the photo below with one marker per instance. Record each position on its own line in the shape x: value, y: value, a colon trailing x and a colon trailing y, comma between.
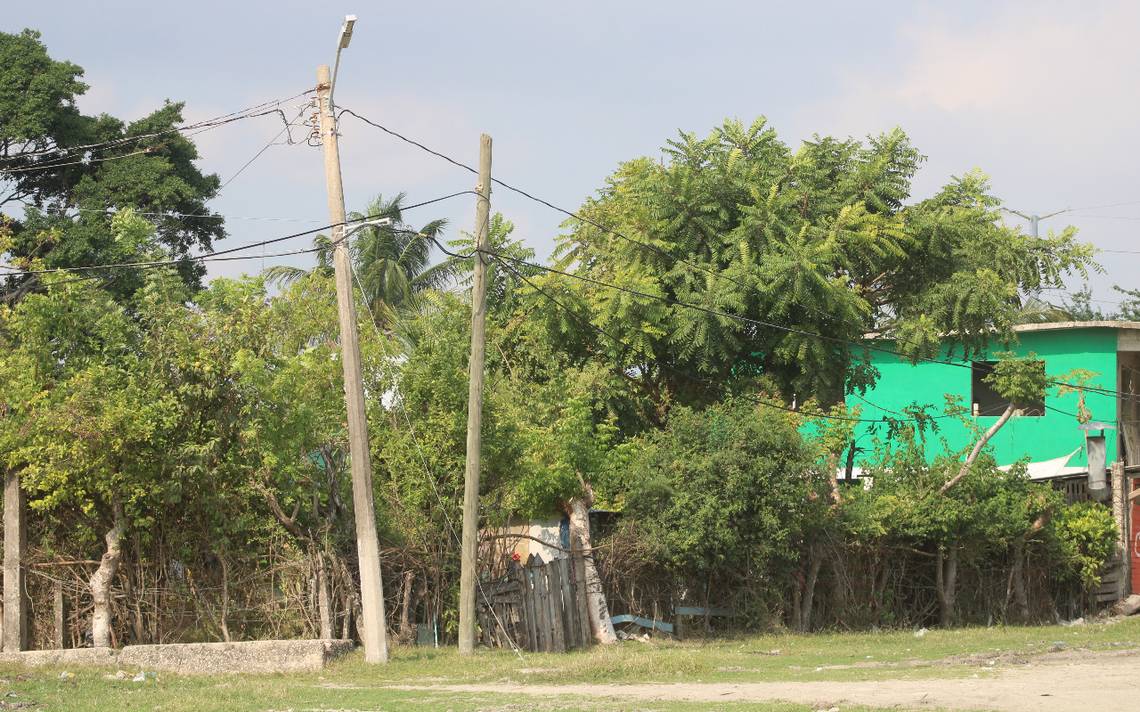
x: 1060, y: 682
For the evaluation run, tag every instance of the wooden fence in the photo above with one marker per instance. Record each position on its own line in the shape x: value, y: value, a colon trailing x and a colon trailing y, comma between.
x: 540, y: 607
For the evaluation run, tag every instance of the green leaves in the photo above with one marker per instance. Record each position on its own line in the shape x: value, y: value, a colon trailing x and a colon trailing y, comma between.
x: 1021, y: 381
x: 805, y: 252
x: 721, y: 490
x: 1086, y: 535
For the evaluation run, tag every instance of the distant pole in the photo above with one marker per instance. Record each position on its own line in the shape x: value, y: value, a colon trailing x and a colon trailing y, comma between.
x: 367, y: 543
x: 1034, y: 219
x: 468, y: 564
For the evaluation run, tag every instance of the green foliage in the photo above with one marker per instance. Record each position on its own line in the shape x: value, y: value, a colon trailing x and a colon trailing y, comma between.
x: 723, y: 490
x: 1020, y: 380
x: 66, y: 197
x: 1086, y: 534
x: 819, y: 240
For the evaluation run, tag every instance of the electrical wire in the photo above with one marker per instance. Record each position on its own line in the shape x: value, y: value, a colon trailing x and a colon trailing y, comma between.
x: 85, y: 162
x: 215, y: 256
x: 756, y: 322
x: 249, y: 112
x: 428, y: 472
x: 266, y: 147
x: 659, y: 251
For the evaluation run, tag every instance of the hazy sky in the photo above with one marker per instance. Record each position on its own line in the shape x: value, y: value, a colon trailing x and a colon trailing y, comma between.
x: 1041, y: 96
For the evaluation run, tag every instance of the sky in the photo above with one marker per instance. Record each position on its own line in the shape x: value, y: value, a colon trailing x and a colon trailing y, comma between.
x: 1040, y: 96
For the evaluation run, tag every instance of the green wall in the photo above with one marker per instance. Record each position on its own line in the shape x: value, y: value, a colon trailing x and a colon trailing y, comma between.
x: 1040, y: 438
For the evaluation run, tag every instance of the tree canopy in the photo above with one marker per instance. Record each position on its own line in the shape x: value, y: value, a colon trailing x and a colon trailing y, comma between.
x: 70, y: 172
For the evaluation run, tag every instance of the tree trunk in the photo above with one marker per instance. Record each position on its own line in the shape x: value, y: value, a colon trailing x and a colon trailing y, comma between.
x: 324, y: 604
x: 815, y: 561
x: 222, y: 624
x: 407, y: 634
x: 104, y: 577
x: 946, y: 579
x: 1020, y: 599
x: 600, y: 623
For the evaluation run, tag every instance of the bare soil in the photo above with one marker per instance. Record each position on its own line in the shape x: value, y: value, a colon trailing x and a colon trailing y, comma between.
x: 1057, y: 682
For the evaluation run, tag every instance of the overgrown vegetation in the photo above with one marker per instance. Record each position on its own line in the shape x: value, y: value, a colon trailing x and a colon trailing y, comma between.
x: 183, y: 448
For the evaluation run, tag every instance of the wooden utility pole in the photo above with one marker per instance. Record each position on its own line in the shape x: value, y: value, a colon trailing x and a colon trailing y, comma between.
x: 367, y: 543
x: 468, y: 571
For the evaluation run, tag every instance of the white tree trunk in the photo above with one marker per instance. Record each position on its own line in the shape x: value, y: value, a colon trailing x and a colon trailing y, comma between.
x: 104, y: 576
x: 977, y: 450
x: 324, y: 604
x: 599, y: 610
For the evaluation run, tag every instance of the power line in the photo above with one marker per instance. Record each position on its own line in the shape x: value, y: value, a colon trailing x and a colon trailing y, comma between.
x: 427, y: 468
x: 757, y: 322
x: 266, y: 147
x: 216, y: 256
x: 673, y: 258
x: 85, y: 162
x: 65, y: 151
x: 201, y: 216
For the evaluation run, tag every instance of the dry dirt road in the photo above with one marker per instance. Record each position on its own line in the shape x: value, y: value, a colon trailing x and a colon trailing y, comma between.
x: 1062, y: 682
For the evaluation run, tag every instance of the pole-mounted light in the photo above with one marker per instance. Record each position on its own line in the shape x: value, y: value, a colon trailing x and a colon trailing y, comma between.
x: 346, y: 31
x: 342, y: 42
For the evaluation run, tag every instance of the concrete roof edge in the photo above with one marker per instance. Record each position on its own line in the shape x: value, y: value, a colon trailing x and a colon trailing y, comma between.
x: 1058, y: 325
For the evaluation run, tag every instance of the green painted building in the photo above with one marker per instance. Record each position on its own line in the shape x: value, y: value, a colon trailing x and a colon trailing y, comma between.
x: 1048, y: 433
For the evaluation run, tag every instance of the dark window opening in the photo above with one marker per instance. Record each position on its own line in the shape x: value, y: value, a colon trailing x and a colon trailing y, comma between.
x: 986, y: 401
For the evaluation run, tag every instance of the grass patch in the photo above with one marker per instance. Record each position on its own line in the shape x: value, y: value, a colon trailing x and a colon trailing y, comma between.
x: 825, y: 656
x: 353, y: 685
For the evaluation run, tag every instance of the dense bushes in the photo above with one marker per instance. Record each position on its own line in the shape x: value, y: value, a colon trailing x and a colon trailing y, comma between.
x: 729, y: 507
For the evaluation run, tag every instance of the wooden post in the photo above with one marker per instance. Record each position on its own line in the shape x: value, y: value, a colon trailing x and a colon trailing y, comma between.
x: 468, y: 561
x: 569, y: 610
x: 554, y: 597
x: 580, y: 598
x: 541, y: 606
x: 529, y: 611
x: 16, y: 604
x: 1120, y: 509
x: 374, y: 635
x: 60, y: 609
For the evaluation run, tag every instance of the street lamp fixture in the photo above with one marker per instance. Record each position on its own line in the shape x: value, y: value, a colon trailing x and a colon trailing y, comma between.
x: 342, y: 42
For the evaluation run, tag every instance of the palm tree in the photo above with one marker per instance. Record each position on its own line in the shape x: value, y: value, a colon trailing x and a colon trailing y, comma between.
x: 391, y: 262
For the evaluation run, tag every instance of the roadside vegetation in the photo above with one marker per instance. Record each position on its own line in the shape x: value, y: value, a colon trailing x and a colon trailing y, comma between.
x: 683, y: 363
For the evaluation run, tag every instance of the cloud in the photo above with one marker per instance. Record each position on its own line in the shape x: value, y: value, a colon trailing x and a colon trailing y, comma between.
x: 1038, y: 96
x: 1021, y: 80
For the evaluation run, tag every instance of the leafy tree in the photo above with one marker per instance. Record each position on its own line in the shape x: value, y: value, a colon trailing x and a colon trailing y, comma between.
x: 68, y: 170
x: 779, y: 246
x: 392, y: 261
x: 92, y: 420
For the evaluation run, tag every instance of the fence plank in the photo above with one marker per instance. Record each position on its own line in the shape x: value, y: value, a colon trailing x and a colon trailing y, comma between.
x: 580, y: 598
x: 554, y: 595
x: 529, y: 611
x: 569, y: 610
x: 542, y: 608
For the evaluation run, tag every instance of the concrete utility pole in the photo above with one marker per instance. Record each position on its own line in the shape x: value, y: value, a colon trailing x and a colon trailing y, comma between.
x: 1034, y: 219
x: 367, y: 541
x: 16, y: 605
x: 468, y: 570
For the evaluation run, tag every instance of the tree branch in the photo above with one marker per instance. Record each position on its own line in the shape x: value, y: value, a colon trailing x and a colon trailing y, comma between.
x: 1005, y: 416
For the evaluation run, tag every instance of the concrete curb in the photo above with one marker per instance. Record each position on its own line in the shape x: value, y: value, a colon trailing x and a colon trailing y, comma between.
x: 254, y: 656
